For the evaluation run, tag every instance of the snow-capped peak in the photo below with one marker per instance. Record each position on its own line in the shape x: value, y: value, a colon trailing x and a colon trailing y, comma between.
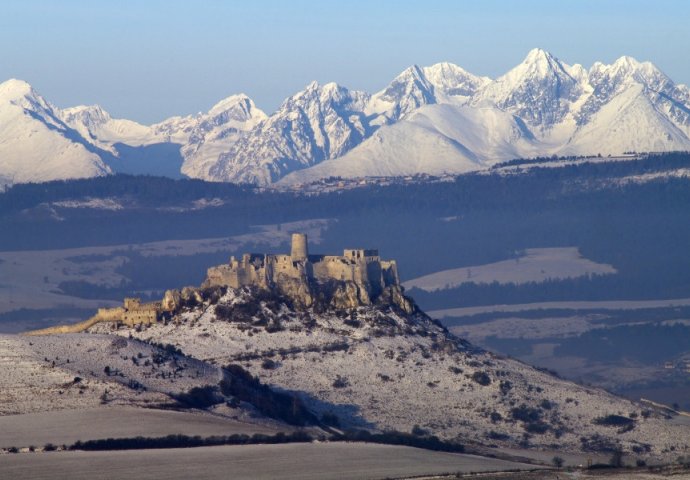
x: 538, y: 64
x: 628, y: 69
x: 229, y: 103
x: 453, y: 83
x: 408, y: 81
x: 13, y: 89
x: 35, y: 144
x: 22, y: 94
x: 539, y: 56
x: 539, y: 90
x: 406, y: 93
x: 233, y: 111
x: 315, y: 92
x: 90, y: 115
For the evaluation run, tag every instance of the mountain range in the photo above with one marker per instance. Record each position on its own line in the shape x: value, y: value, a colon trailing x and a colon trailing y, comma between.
x: 438, y: 119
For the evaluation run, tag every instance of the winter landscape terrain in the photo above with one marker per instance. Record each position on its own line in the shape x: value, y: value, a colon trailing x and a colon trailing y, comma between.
x: 434, y: 120
x: 137, y: 236
x: 541, y: 318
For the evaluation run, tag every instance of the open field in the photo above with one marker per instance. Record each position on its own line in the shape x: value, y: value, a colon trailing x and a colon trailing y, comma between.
x: 571, y: 305
x: 535, y: 265
x: 323, y: 461
x: 67, y: 426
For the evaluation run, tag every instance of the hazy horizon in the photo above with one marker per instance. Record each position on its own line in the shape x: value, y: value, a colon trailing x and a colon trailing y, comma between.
x: 149, y: 61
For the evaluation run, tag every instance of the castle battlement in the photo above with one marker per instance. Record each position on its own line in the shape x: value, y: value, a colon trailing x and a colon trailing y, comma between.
x: 362, y: 267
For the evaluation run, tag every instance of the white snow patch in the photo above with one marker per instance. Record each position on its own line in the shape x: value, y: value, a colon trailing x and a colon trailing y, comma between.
x: 535, y: 265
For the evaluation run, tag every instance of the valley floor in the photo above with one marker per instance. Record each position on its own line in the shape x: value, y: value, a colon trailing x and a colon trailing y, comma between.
x: 65, y: 427
x: 322, y: 461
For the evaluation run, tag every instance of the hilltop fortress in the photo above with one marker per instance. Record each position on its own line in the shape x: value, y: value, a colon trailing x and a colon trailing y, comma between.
x: 358, y: 277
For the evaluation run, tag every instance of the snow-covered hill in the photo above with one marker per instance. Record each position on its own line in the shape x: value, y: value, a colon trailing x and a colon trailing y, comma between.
x: 379, y: 368
x: 432, y: 119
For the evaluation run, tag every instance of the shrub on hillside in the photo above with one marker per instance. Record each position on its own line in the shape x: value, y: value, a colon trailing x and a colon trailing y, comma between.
x: 482, y: 378
x: 614, y: 421
x: 200, y: 397
x: 240, y: 384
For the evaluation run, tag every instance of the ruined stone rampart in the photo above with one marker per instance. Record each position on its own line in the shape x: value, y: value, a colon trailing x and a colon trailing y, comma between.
x: 132, y: 313
x: 103, y: 315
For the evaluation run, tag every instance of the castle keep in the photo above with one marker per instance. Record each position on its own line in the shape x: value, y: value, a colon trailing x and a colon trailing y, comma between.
x: 363, y: 268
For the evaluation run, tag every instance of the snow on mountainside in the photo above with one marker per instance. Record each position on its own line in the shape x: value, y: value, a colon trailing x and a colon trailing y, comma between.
x: 441, y: 119
x: 217, y: 131
x: 328, y: 130
x: 435, y: 139
x: 540, y: 90
x: 629, y: 122
x: 406, y: 93
x: 99, y: 128
x: 453, y: 84
x: 316, y: 124
x: 35, y: 144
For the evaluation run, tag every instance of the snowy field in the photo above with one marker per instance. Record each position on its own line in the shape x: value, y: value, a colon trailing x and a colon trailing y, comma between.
x: 567, y: 305
x: 535, y: 265
x: 30, y: 279
x: 323, y: 461
x: 68, y: 426
x: 516, y: 327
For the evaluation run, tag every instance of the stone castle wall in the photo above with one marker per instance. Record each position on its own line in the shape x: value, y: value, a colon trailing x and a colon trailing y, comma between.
x: 364, y: 268
x: 132, y: 313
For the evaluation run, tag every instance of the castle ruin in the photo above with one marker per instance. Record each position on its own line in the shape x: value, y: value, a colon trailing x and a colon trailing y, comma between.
x: 358, y: 277
x: 359, y: 267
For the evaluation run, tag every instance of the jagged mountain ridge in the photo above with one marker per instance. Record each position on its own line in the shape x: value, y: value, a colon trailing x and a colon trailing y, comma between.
x: 316, y: 124
x: 560, y: 108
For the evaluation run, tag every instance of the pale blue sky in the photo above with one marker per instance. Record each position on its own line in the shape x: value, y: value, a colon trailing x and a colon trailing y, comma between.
x: 148, y: 60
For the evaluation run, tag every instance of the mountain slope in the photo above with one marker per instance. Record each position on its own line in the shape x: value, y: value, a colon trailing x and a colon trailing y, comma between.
x: 316, y: 124
x: 435, y: 139
x: 217, y: 131
x: 540, y: 90
x: 616, y: 127
x: 36, y: 145
x: 98, y: 127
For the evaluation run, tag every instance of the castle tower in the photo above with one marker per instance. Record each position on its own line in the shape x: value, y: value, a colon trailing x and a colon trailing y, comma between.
x: 299, y: 247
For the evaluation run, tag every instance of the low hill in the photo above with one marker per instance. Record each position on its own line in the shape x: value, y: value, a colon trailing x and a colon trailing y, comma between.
x: 379, y: 368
